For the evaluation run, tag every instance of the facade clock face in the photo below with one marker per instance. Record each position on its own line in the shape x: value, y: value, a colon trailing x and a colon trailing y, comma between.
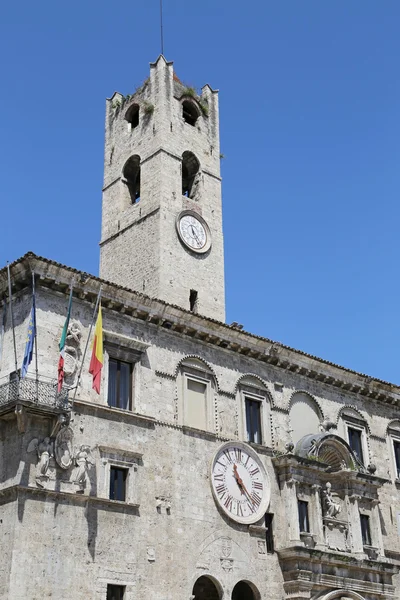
x: 240, y: 483
x: 193, y: 231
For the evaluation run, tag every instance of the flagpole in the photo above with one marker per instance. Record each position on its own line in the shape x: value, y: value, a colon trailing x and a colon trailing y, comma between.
x: 35, y: 325
x: 12, y: 319
x: 2, y: 330
x: 86, y: 346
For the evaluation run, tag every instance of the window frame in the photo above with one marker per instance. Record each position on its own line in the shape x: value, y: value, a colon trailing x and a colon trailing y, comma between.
x: 366, y: 540
x: 125, y: 482
x: 360, y: 426
x: 122, y: 459
x: 260, y: 395
x: 305, y: 503
x: 198, y: 379
x: 254, y: 400
x: 131, y: 382
x: 393, y: 437
x: 195, y: 368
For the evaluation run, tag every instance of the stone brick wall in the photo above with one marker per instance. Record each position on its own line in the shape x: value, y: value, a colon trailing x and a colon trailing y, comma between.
x: 140, y: 248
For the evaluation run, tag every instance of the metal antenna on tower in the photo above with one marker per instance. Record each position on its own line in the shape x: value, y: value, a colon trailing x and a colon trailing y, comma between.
x: 161, y: 28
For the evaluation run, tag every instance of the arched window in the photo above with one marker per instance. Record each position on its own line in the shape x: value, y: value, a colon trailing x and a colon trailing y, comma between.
x: 243, y: 591
x: 132, y: 116
x: 305, y: 416
x: 190, y: 112
x: 131, y: 177
x: 190, y: 167
x: 205, y: 589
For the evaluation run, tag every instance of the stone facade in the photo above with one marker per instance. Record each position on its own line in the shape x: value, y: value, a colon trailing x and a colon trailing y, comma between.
x: 326, y: 436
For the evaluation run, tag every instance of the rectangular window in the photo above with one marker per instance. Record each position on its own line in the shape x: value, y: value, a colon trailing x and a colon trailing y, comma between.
x: 303, y: 516
x: 119, y: 384
x: 269, y: 537
x: 355, y: 442
x: 195, y: 404
x: 253, y: 420
x: 118, y: 483
x: 115, y: 592
x: 396, y: 449
x: 365, y: 530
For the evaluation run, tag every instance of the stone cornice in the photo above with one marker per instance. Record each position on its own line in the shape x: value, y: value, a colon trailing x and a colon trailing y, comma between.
x: 175, y: 319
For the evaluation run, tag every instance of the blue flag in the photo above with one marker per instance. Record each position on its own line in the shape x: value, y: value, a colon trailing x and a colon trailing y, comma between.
x: 30, y: 340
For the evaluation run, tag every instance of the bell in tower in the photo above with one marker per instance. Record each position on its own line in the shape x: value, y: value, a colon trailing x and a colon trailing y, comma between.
x: 162, y: 213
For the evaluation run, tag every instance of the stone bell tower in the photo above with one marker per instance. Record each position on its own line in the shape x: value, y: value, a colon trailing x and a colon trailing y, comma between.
x: 162, y: 214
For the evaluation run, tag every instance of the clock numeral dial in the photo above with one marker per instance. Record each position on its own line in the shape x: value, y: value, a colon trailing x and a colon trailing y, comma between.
x: 240, y: 483
x: 193, y: 231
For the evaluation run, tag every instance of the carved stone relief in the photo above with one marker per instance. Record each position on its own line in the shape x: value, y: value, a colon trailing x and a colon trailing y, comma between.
x: 63, y: 451
x: 72, y: 353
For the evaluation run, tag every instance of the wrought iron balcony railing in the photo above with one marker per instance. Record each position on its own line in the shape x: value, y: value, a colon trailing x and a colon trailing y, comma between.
x: 27, y: 390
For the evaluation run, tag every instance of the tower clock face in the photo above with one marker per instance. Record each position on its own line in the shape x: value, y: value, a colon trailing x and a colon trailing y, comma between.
x: 193, y: 231
x: 240, y: 483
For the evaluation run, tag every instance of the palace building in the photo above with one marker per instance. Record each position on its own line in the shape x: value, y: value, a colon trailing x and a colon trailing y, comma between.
x: 214, y: 464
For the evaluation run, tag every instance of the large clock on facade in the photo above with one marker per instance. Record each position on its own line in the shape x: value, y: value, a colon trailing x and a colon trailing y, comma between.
x: 240, y: 483
x: 193, y: 231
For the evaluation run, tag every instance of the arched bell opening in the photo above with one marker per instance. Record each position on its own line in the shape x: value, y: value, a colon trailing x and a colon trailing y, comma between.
x: 131, y: 178
x: 205, y: 589
x: 243, y: 590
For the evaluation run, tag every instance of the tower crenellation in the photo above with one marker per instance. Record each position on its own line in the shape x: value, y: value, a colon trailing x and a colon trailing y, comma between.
x: 162, y: 213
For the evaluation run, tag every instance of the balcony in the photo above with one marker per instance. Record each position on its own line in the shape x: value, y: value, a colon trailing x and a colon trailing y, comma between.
x: 29, y: 392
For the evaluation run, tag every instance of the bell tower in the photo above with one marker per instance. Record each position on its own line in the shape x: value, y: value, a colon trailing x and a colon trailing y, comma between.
x: 162, y: 214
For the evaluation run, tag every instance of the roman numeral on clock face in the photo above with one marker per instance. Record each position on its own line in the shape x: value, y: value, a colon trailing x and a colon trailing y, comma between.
x: 254, y: 471
x: 228, y: 456
x: 256, y: 499
x: 228, y: 502
x: 218, y: 476
x: 220, y: 489
x: 238, y: 454
x: 257, y: 485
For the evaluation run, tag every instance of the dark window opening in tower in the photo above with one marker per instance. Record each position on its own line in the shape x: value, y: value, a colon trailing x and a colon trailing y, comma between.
x: 193, y: 298
x: 190, y: 168
x: 190, y: 113
x: 131, y: 178
x: 132, y: 115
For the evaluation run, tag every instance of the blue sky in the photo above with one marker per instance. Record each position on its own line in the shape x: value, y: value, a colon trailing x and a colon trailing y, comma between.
x: 310, y: 130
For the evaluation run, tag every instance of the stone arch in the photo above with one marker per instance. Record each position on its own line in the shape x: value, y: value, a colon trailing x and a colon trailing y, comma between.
x: 245, y: 590
x: 195, y: 361
x: 305, y: 415
x: 190, y: 174
x: 190, y: 110
x: 131, y: 178
x: 393, y: 425
x: 253, y: 380
x: 206, y: 587
x: 132, y: 115
x: 352, y: 412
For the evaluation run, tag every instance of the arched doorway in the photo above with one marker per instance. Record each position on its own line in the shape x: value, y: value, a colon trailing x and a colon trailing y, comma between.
x: 242, y: 591
x: 205, y: 589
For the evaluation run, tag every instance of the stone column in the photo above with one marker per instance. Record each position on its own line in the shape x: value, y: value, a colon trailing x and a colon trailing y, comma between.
x: 354, y: 522
x: 376, y: 531
x: 292, y: 513
x: 318, y: 522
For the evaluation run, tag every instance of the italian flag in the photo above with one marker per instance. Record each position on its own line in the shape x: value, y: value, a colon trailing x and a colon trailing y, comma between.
x: 61, y: 345
x: 96, y: 362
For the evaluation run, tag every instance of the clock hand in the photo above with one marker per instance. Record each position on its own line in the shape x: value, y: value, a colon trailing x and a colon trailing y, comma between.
x: 240, y: 483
